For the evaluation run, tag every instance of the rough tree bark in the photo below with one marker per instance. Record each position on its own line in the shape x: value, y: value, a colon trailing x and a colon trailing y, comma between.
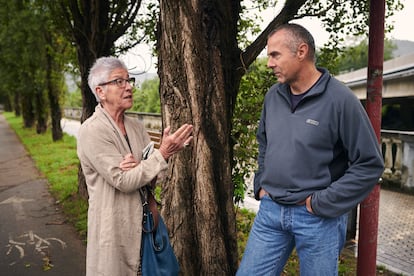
x: 200, y: 67
x: 197, y: 54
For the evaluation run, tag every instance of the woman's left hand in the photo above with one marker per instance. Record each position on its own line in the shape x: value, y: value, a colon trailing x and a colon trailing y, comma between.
x: 173, y: 143
x: 128, y: 163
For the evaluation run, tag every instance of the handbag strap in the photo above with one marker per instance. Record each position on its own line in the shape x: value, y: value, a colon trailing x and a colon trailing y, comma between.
x: 149, y: 203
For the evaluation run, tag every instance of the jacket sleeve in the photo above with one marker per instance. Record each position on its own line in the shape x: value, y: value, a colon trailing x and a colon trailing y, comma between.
x: 364, y: 158
x: 100, y: 151
x: 262, y: 141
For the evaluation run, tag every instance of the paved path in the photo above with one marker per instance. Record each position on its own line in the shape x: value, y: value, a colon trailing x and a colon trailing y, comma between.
x: 34, y: 238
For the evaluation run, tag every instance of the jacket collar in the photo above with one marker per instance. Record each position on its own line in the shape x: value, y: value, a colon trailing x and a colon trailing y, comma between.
x: 318, y: 88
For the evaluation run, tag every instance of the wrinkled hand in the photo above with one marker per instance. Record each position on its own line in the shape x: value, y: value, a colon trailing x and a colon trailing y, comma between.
x: 173, y: 143
x: 128, y: 163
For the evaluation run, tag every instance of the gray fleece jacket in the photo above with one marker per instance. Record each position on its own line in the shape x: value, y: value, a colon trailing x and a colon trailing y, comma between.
x: 326, y: 148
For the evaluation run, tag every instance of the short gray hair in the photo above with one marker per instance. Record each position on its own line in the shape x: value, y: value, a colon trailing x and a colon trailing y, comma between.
x: 101, y: 70
x: 297, y: 35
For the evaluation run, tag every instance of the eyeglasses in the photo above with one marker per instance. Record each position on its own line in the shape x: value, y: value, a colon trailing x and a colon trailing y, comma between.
x: 120, y: 82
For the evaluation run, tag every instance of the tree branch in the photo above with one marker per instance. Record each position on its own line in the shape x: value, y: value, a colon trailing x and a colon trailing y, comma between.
x: 290, y: 9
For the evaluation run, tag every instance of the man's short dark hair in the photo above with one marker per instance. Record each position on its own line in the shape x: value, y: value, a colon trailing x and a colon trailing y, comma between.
x: 298, y: 35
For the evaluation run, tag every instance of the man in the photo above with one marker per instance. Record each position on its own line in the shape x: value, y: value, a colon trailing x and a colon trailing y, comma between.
x: 318, y: 158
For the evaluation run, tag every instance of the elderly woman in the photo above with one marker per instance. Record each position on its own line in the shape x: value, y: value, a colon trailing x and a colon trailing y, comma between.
x: 110, y: 148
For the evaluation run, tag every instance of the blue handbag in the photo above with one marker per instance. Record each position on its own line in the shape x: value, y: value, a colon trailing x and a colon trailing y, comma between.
x: 157, y: 254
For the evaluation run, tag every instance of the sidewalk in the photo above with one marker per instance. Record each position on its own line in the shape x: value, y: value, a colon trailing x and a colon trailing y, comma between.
x: 34, y: 237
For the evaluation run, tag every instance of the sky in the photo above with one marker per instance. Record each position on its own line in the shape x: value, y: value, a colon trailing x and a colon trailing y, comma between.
x: 141, y: 59
x: 403, y: 21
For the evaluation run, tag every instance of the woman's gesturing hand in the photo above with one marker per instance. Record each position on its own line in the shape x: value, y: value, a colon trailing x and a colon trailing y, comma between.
x: 173, y: 143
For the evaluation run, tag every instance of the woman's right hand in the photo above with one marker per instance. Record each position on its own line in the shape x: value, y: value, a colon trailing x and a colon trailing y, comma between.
x: 128, y: 162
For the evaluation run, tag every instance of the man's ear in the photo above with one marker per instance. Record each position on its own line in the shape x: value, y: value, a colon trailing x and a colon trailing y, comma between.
x: 303, y: 51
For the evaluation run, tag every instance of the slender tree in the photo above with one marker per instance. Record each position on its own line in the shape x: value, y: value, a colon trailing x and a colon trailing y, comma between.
x: 7, y: 55
x: 94, y: 26
x: 31, y: 73
x: 55, y: 58
x: 17, y: 66
x: 59, y: 57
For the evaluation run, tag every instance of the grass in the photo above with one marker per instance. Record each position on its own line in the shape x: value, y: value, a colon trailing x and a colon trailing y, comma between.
x: 58, y: 162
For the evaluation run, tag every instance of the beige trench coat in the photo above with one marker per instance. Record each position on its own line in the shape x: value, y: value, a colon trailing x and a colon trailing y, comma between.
x: 115, y: 209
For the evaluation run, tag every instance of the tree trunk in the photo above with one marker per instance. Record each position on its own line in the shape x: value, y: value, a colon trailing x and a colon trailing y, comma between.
x: 56, y: 114
x: 16, y: 104
x: 8, y: 107
x: 88, y: 105
x: 55, y: 110
x: 27, y: 110
x: 86, y: 58
x: 53, y: 78
x: 91, y: 42
x: 198, y: 57
x: 41, y: 111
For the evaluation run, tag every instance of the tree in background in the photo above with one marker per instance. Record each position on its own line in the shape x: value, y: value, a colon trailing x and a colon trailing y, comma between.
x: 200, y: 65
x: 146, y: 97
x: 57, y: 55
x: 253, y: 87
x: 94, y: 26
x: 8, y: 55
x: 73, y: 98
x: 356, y: 57
x: 35, y: 54
x: 24, y: 24
x: 18, y: 61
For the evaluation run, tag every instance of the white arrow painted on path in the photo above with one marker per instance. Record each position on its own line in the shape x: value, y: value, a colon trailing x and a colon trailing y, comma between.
x: 17, y: 205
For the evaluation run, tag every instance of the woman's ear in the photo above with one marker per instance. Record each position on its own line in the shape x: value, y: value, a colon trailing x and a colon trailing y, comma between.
x: 100, y: 93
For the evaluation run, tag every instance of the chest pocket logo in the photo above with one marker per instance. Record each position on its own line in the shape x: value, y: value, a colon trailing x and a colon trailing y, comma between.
x: 312, y: 122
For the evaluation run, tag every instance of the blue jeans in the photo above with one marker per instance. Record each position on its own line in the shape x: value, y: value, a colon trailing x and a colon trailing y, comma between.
x: 277, y: 229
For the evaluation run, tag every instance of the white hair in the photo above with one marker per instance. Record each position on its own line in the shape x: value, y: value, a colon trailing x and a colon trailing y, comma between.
x: 101, y: 70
